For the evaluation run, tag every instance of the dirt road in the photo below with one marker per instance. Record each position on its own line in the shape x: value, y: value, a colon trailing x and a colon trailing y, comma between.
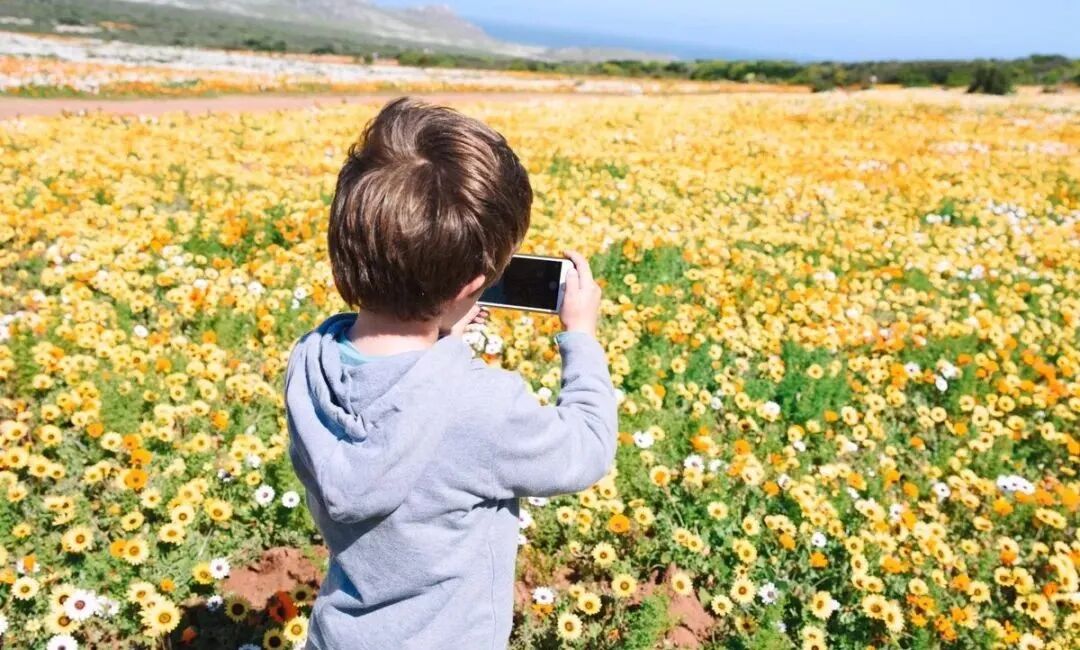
x: 12, y: 107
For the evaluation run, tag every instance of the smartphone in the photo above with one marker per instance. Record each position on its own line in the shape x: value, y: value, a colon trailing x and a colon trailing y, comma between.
x: 530, y: 282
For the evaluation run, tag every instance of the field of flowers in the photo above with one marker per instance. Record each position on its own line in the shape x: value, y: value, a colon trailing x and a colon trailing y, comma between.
x: 844, y: 331
x: 49, y: 66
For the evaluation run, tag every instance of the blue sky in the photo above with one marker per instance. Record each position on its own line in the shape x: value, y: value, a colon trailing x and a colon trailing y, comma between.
x: 806, y: 29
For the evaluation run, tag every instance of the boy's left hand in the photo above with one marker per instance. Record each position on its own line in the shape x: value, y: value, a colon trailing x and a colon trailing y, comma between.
x: 476, y: 315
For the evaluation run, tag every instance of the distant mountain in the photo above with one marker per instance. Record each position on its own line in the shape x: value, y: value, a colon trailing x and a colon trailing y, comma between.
x: 434, y: 27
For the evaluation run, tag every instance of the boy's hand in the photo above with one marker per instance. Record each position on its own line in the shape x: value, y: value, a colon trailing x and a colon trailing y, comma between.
x: 581, y: 301
x: 476, y: 315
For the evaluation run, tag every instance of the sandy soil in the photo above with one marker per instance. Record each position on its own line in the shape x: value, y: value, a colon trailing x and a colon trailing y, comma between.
x: 12, y: 107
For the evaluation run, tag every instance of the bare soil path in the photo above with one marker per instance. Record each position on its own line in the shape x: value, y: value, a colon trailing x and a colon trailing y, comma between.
x: 13, y: 107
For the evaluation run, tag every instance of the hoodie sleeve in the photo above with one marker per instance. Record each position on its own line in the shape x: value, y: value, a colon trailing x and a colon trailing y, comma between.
x: 547, y: 450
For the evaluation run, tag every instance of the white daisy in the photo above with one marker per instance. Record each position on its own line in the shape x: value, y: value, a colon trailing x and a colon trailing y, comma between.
x: 818, y: 539
x: 768, y: 593
x: 219, y: 568
x: 80, y: 605
x: 941, y: 490
x: 107, y: 607
x: 643, y: 439
x: 539, y: 502
x: 214, y: 603
x: 290, y: 499
x: 62, y: 642
x: 543, y: 596
x: 264, y: 495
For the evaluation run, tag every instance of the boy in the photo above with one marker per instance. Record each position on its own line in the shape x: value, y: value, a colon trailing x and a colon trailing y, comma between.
x: 412, y: 452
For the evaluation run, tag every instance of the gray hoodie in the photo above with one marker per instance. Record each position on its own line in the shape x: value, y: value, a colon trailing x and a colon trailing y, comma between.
x: 413, y: 465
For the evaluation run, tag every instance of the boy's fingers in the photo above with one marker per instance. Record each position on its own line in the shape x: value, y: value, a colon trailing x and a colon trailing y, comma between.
x: 581, y: 265
x: 573, y: 281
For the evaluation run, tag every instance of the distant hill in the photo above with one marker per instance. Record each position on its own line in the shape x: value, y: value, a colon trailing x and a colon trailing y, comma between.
x: 342, y: 26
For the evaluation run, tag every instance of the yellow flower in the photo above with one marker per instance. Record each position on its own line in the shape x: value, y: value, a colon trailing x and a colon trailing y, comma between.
x: 218, y: 510
x: 295, y: 630
x: 160, y: 618
x: 588, y: 603
x: 681, y: 583
x: 141, y: 592
x: 77, y: 539
x: 720, y: 605
x: 569, y: 626
x: 58, y: 622
x: 171, y: 533
x: 236, y: 609
x: 603, y: 554
x: 623, y: 585
x: 136, y: 551
x: 273, y: 638
x: 201, y: 573
x: 717, y: 510
x: 742, y: 591
x: 24, y: 588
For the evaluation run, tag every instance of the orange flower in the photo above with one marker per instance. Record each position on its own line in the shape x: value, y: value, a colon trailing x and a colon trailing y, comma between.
x: 135, y: 479
x: 140, y: 457
x: 95, y: 429
x: 220, y: 420
x: 787, y: 541
x: 1002, y: 507
x: 282, y: 608
x: 189, y: 634
x: 741, y: 447
x: 818, y: 560
x: 117, y: 548
x: 619, y: 524
x: 167, y: 585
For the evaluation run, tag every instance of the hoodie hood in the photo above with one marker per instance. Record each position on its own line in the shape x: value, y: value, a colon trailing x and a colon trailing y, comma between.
x: 367, y: 421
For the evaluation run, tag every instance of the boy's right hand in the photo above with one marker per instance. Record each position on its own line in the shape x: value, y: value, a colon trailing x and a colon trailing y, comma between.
x: 581, y: 300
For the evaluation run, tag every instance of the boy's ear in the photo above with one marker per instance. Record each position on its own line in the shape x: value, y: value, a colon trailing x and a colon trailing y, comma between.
x: 473, y: 287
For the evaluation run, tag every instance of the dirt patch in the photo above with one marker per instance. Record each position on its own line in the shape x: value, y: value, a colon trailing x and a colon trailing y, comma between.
x: 692, y: 620
x: 279, y: 568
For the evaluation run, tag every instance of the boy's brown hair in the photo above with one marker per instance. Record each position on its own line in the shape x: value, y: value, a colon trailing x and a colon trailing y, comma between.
x: 427, y: 200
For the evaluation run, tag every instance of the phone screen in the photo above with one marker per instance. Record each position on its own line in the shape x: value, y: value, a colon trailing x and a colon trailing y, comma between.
x: 527, y: 283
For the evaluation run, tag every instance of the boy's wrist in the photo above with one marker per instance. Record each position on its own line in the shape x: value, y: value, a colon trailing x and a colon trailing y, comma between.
x: 572, y: 333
